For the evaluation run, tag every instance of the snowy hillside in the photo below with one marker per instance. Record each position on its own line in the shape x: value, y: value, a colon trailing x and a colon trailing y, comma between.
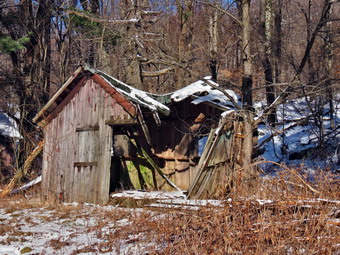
x: 304, y: 134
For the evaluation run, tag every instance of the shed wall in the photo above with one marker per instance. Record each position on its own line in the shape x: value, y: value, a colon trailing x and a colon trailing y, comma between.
x: 77, y: 151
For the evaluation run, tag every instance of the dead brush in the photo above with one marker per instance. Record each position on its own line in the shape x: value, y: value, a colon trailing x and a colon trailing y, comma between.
x: 19, y: 203
x: 247, y: 228
x: 289, y: 219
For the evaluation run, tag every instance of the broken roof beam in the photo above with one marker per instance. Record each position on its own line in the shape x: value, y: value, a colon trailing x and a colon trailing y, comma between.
x: 157, y: 119
x: 144, y: 126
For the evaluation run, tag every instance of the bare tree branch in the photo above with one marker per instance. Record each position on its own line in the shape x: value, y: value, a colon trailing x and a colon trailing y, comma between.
x: 232, y: 100
x: 221, y: 10
x: 282, y: 97
x: 156, y: 73
x: 94, y: 19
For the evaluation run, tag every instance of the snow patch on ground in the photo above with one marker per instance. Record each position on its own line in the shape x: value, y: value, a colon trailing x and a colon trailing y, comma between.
x: 80, y: 230
x: 73, y: 228
x: 158, y: 195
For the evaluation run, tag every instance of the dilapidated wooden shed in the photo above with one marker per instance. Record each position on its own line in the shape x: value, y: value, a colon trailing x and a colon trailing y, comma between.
x: 102, y: 135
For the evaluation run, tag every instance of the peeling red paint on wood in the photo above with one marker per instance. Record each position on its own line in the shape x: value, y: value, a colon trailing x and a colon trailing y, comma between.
x: 127, y: 105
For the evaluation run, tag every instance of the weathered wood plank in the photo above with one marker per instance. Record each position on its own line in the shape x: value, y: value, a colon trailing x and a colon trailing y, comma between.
x: 203, y: 175
x: 106, y: 141
x: 89, y: 128
x: 121, y: 122
x: 84, y: 164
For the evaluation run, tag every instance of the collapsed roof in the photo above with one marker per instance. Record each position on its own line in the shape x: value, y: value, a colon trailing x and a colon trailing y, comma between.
x: 199, y: 92
x: 202, y: 92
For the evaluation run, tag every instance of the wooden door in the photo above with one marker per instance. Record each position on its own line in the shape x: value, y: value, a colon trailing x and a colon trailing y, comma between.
x: 85, y: 187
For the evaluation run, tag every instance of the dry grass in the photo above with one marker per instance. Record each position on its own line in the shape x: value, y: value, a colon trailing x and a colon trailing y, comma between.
x: 248, y: 228
x: 295, y: 221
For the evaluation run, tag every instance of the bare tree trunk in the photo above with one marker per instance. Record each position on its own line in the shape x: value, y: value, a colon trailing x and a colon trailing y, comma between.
x: 133, y: 68
x: 247, y: 81
x: 308, y: 17
x: 277, y: 40
x: 185, y: 12
x: 267, y: 54
x: 329, y: 45
x: 247, y: 100
x: 213, y: 43
x: 47, y: 50
x: 93, y: 8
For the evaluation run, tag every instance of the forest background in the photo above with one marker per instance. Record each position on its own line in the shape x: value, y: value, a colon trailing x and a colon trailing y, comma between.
x: 264, y: 50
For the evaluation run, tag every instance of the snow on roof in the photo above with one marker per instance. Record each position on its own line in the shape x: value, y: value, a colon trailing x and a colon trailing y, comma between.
x: 196, y: 87
x: 8, y: 127
x: 218, y: 97
x: 199, y: 91
x: 135, y: 95
x: 204, y: 93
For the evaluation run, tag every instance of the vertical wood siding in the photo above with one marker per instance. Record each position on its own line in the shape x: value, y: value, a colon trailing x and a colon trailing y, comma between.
x: 76, y: 164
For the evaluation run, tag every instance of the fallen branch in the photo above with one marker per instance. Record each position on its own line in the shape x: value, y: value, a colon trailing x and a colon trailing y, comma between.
x: 27, y: 185
x: 93, y: 19
x: 23, y: 171
x: 279, y: 132
x: 156, y: 73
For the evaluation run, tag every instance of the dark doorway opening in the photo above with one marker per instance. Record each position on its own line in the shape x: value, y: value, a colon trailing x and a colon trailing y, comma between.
x: 119, y: 174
